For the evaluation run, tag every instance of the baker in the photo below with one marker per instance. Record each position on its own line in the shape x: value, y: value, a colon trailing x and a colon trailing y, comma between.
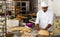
x: 44, y: 19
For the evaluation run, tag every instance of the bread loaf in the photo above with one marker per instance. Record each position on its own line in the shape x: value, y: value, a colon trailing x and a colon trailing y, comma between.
x: 43, y: 32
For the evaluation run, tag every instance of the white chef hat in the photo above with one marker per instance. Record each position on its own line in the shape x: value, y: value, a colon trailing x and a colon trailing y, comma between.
x: 44, y: 4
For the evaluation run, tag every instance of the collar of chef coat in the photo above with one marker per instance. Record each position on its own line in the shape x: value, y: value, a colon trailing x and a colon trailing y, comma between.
x: 44, y: 12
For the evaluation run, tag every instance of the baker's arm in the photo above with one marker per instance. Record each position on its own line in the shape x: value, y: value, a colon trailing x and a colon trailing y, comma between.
x: 50, y: 22
x: 36, y: 25
x: 49, y: 25
x: 37, y: 22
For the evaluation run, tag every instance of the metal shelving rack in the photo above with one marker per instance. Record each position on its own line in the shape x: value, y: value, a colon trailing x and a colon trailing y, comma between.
x: 7, y: 6
x: 22, y: 7
x: 11, y: 7
x: 3, y: 26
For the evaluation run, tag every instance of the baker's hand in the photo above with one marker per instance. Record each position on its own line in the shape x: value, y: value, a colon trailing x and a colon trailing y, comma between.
x: 37, y: 27
x: 49, y: 25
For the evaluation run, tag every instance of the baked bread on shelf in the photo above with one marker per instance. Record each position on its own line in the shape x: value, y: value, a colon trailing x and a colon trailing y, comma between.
x: 21, y: 29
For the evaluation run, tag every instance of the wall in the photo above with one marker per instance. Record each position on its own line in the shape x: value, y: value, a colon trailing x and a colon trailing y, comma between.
x: 53, y: 5
x: 56, y: 7
x: 34, y: 5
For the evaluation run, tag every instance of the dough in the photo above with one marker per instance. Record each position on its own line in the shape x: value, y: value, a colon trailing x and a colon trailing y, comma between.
x: 43, y: 32
x: 27, y: 35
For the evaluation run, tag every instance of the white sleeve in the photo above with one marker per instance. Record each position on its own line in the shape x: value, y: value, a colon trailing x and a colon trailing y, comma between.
x: 37, y: 19
x: 51, y: 19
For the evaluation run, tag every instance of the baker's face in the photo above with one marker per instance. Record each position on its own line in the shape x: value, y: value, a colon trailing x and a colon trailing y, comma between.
x: 44, y: 9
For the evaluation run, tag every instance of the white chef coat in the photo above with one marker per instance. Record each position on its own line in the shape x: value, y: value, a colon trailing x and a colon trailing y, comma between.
x: 43, y: 19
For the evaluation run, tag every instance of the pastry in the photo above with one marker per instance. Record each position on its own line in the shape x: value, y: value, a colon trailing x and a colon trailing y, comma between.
x: 22, y: 29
